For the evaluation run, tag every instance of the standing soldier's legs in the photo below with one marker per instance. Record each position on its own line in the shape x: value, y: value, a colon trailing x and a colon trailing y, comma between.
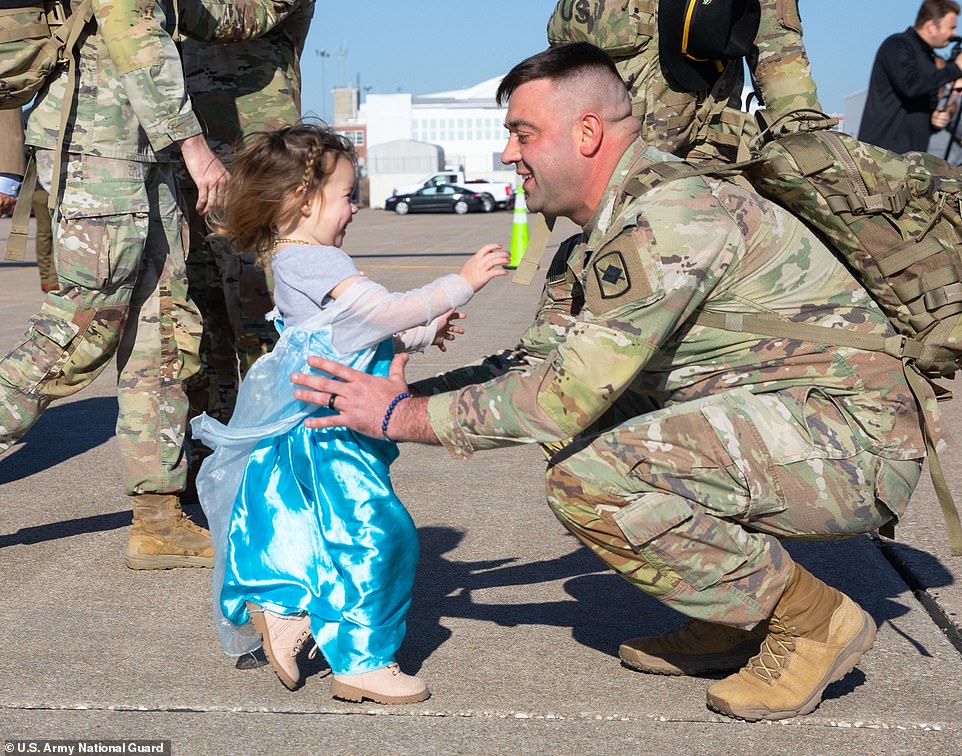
x: 248, y: 292
x: 686, y: 503
x: 158, y: 352
x: 75, y: 334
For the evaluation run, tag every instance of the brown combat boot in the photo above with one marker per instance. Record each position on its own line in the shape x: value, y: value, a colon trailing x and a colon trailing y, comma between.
x: 162, y: 537
x: 816, y: 635
x: 695, y: 648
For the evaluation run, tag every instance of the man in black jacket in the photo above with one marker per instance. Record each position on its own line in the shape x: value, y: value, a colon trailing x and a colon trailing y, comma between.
x: 903, y: 90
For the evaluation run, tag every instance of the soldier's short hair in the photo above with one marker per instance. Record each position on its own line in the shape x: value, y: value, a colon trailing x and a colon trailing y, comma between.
x: 556, y: 64
x: 935, y: 10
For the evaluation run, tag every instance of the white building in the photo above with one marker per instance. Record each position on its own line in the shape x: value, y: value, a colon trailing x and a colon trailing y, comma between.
x: 465, y: 123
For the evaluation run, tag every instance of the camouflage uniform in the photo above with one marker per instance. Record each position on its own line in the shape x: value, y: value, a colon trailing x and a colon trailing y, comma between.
x: 755, y: 439
x: 119, y: 243
x: 118, y: 246
x: 237, y: 89
x: 675, y: 120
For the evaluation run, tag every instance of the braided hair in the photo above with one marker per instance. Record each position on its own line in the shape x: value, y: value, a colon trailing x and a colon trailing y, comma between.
x: 273, y: 175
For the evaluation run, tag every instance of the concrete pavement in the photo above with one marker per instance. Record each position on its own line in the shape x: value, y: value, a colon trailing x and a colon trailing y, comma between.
x: 514, y: 625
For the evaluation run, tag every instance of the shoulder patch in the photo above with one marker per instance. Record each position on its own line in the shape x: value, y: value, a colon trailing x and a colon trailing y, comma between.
x: 621, y: 272
x: 611, y: 274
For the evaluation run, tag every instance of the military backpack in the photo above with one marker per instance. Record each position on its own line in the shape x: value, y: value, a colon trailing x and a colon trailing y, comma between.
x: 896, y: 223
x: 34, y: 40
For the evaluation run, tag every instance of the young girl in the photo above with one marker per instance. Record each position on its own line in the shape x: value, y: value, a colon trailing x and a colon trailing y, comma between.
x: 310, y: 537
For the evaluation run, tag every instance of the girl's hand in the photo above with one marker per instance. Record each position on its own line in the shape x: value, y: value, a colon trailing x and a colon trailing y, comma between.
x: 446, y: 330
x: 485, y: 264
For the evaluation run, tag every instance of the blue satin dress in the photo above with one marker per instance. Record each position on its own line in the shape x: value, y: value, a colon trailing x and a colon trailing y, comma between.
x: 306, y: 520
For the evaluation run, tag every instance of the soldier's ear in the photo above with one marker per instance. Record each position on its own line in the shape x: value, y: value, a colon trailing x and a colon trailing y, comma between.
x: 591, y: 130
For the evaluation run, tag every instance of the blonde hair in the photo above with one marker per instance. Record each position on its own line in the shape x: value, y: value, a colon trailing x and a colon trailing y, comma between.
x: 272, y: 176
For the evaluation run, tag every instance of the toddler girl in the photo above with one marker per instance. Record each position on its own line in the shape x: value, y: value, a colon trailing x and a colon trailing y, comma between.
x: 310, y: 537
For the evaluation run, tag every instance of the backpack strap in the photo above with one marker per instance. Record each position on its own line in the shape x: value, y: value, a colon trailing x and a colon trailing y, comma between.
x: 20, y: 222
x: 69, y: 33
x: 949, y: 511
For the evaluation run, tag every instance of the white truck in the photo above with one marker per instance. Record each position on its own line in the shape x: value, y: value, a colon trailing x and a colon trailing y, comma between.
x: 500, y: 192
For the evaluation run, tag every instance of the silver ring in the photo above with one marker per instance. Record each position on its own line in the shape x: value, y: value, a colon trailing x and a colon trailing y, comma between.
x: 330, y: 402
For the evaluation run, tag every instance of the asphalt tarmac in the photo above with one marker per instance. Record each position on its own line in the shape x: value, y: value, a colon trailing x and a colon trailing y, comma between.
x: 514, y: 625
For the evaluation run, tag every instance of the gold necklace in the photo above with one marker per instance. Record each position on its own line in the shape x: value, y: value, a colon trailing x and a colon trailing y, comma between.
x: 287, y: 240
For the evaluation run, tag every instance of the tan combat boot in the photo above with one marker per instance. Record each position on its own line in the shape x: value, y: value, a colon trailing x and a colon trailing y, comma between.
x: 387, y: 685
x: 816, y: 635
x: 162, y: 537
x: 695, y: 648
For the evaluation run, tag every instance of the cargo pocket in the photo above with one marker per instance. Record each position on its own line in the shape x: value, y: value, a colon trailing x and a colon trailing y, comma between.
x: 664, y: 529
x: 42, y: 352
x: 895, y: 480
x: 101, y: 238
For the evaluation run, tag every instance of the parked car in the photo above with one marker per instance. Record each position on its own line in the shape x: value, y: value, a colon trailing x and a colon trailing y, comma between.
x: 500, y: 191
x: 446, y: 198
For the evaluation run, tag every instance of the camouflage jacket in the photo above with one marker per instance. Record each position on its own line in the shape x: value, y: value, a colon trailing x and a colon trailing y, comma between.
x: 131, y: 102
x: 250, y: 80
x: 648, y: 266
x: 674, y: 119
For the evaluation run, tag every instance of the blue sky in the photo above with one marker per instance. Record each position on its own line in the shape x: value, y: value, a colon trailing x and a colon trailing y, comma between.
x: 424, y: 46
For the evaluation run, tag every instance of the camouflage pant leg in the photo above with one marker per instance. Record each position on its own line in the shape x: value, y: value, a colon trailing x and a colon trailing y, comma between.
x: 213, y: 389
x: 233, y: 295
x: 688, y: 503
x: 100, y: 230
x: 159, y: 349
x: 248, y: 292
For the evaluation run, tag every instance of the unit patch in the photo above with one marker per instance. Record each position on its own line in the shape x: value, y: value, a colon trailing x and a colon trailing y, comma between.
x: 620, y: 273
x: 612, y: 275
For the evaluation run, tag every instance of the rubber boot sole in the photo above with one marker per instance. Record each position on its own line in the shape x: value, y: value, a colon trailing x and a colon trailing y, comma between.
x: 844, y: 663
x: 687, y: 665
x: 350, y: 693
x: 260, y: 625
x: 166, y: 561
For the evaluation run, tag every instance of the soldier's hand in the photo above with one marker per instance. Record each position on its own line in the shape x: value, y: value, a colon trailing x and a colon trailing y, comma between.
x: 7, y: 202
x: 208, y: 172
x: 940, y: 119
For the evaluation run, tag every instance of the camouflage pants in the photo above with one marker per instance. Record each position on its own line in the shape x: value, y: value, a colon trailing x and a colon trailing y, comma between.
x: 233, y: 294
x: 119, y: 252
x: 688, y: 503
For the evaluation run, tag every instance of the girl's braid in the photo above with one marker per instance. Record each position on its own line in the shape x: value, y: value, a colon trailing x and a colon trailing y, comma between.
x: 308, y: 175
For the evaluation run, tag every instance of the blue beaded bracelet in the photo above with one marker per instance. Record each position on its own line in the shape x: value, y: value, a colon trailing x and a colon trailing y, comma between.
x: 390, y: 410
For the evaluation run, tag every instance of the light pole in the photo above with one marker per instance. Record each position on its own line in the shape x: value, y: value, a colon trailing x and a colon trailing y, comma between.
x: 323, y: 54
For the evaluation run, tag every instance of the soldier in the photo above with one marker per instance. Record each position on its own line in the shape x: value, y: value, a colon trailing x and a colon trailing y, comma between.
x: 755, y: 439
x: 688, y: 117
x: 237, y: 89
x: 120, y: 258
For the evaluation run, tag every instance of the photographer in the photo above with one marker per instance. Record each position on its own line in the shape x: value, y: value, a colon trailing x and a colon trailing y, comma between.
x: 903, y: 91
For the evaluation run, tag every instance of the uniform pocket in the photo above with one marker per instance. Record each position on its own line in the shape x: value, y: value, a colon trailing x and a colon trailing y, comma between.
x: 665, y: 530
x: 101, y: 236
